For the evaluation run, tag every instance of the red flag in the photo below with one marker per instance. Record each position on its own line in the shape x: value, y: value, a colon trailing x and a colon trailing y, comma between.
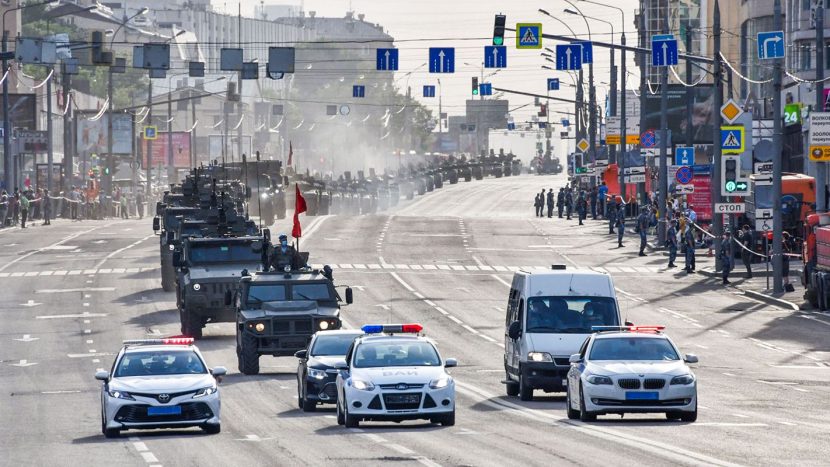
x: 290, y: 153
x: 299, y: 207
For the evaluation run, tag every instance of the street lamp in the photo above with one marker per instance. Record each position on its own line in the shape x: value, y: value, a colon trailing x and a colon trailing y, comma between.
x: 592, y: 97
x: 126, y: 20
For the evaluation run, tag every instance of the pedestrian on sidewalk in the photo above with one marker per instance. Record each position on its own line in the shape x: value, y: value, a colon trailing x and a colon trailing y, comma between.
x: 139, y: 204
x: 789, y: 248
x: 549, y: 199
x: 689, y: 243
x: 582, y: 207
x: 643, y: 221
x: 24, y: 209
x: 620, y: 222
x: 671, y: 242
x: 748, y: 242
x: 602, y: 196
x: 612, y: 216
x: 537, y: 203
x: 726, y: 257
x: 569, y: 203
x: 593, y: 198
x: 122, y: 202
x: 4, y: 208
x: 560, y: 201
x: 46, y: 205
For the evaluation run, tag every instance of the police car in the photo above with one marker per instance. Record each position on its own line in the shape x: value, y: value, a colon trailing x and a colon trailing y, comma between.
x: 393, y: 374
x: 159, y: 383
x: 635, y: 369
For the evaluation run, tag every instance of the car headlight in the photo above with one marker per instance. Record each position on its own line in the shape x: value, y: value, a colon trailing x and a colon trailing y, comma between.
x: 197, y: 287
x: 264, y: 196
x: 120, y: 395
x: 260, y: 327
x: 317, y: 374
x: 539, y: 357
x: 324, y: 325
x: 362, y: 385
x: 599, y: 379
x: 683, y: 379
x: 440, y: 382
x: 205, y: 391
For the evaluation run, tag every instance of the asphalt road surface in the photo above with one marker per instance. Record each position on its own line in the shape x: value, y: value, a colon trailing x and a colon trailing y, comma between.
x: 73, y: 292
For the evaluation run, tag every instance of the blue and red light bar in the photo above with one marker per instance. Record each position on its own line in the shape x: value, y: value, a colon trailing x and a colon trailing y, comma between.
x: 412, y: 328
x: 164, y: 341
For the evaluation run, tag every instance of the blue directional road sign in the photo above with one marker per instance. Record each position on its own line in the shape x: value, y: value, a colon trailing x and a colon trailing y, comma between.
x: 553, y: 84
x: 587, y: 51
x: 770, y: 45
x: 387, y: 60
x: 529, y: 36
x: 429, y: 91
x: 664, y: 52
x: 495, y: 56
x: 568, y: 56
x: 684, y: 155
x: 358, y: 91
x: 441, y: 60
x: 684, y: 175
x: 566, y: 123
x: 485, y: 89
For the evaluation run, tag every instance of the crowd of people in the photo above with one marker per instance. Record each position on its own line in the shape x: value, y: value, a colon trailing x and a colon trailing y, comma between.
x: 26, y: 205
x: 683, y: 235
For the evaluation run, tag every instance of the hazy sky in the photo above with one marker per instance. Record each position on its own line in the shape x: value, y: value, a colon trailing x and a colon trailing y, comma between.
x: 467, y: 25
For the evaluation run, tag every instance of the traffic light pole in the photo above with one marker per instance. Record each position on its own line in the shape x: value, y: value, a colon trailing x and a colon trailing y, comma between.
x: 623, y: 133
x: 50, y: 154
x: 717, y: 183
x: 664, y: 145
x: 778, y: 143
x: 68, y: 147
x: 148, y: 154
x: 821, y: 167
x: 7, y: 128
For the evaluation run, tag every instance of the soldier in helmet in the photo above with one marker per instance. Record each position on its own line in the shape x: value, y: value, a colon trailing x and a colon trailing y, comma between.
x: 284, y: 255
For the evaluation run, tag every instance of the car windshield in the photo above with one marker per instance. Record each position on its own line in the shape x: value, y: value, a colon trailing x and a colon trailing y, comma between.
x: 576, y: 315
x: 332, y: 344
x: 248, y: 252
x: 160, y: 362
x: 266, y: 293
x: 633, y: 348
x: 376, y: 354
x: 318, y: 291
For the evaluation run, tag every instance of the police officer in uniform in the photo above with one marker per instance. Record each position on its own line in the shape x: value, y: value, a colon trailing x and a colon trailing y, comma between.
x: 620, y: 223
x: 671, y: 242
x: 549, y: 199
x: 581, y: 207
x: 560, y: 201
x: 726, y: 256
x: 642, y: 228
x: 569, y: 203
x: 612, y: 217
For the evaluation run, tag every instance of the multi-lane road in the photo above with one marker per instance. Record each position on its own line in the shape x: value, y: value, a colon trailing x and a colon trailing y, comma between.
x: 73, y: 291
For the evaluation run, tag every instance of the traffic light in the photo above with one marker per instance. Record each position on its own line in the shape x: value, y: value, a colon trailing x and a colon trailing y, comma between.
x: 475, y: 86
x: 730, y: 174
x: 543, y: 110
x: 498, y: 30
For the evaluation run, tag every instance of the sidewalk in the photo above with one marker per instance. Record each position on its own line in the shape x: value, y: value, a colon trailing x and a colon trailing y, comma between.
x: 755, y: 287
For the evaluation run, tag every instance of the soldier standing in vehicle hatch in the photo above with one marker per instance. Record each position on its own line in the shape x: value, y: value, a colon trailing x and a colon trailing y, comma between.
x: 284, y: 255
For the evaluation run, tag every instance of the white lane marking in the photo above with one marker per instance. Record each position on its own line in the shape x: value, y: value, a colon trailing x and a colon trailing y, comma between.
x: 419, y: 295
x: 84, y: 289
x: 812, y: 318
x: 787, y: 423
x: 87, y: 355
x: 77, y: 315
x: 50, y: 247
x: 456, y: 320
x: 739, y: 415
x: 24, y: 363
x: 89, y: 341
x: 399, y: 448
x: 400, y: 281
x: 27, y: 338
x: 731, y: 424
x: 385, y: 307
x: 61, y: 392
x: 30, y: 304
x: 149, y: 457
x: 494, y: 276
x: 727, y: 374
x: 140, y: 446
x: 800, y: 390
x: 654, y: 447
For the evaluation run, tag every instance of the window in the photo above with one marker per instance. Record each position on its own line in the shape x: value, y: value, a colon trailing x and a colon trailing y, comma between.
x: 225, y: 252
x: 576, y: 315
x: 633, y: 348
x: 160, y: 362
x: 805, y: 52
x: 311, y: 292
x: 412, y: 353
x: 266, y: 293
x: 332, y: 345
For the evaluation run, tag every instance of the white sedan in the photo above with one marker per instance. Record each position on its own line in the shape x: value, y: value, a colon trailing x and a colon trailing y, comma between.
x: 639, y: 370
x: 159, y: 383
x: 392, y: 374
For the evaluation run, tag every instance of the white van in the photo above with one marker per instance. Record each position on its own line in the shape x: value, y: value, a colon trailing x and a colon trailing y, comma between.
x: 549, y: 316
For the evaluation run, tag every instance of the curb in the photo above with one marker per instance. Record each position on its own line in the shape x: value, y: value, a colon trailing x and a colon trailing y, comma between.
x: 766, y: 298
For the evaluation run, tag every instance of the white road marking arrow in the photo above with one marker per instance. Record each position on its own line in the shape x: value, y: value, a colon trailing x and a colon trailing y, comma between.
x: 27, y: 338
x: 24, y: 363
x: 30, y: 304
x: 359, y: 287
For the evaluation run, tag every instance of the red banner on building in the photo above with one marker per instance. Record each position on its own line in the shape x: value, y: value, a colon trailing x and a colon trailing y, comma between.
x: 181, y: 149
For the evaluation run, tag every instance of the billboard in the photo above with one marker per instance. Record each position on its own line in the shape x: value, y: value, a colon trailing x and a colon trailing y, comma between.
x: 23, y: 110
x: 703, y: 112
x: 91, y: 135
x: 181, y: 149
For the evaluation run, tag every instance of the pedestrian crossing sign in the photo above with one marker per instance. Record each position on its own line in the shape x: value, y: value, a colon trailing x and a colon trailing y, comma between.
x: 732, y: 139
x: 529, y: 35
x: 150, y: 132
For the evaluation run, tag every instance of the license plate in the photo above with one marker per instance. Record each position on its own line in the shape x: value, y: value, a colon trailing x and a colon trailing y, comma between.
x: 403, y: 399
x: 642, y: 396
x: 169, y: 410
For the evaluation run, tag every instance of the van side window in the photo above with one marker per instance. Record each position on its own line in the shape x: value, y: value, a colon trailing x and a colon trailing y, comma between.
x: 520, y: 314
x: 511, y: 307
